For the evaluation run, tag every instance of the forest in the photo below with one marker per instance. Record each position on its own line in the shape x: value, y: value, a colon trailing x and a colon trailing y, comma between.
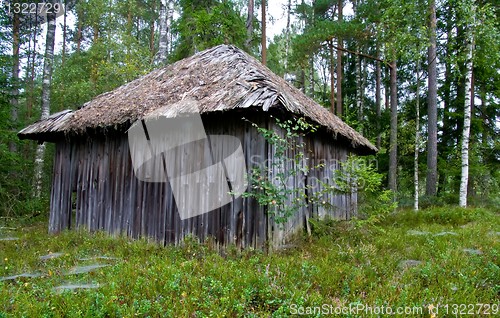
x: 420, y: 79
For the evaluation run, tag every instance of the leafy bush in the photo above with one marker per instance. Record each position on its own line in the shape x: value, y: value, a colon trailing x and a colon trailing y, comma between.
x: 281, y: 199
x: 322, y: 227
x: 374, y: 202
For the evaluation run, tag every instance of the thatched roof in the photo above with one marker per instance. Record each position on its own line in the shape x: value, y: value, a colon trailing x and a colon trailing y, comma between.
x: 222, y: 78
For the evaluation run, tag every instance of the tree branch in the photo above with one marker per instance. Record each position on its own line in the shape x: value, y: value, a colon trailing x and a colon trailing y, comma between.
x: 363, y: 55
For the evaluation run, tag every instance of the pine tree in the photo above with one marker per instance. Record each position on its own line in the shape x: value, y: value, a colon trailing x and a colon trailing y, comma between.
x: 432, y: 105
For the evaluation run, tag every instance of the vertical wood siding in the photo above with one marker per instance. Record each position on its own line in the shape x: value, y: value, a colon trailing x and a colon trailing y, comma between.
x: 94, y: 180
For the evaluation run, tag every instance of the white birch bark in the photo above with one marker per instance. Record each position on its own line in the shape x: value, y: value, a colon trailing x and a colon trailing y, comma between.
x: 166, y: 11
x: 287, y: 37
x: 464, y: 180
x: 417, y: 139
x: 357, y: 66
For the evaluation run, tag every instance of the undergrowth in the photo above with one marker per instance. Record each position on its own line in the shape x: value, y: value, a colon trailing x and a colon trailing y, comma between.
x: 456, y: 254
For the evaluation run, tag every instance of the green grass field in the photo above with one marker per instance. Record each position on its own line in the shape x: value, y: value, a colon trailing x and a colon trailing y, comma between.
x: 445, y: 257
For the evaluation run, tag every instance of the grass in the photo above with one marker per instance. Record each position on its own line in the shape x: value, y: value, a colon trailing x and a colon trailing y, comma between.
x: 340, y: 265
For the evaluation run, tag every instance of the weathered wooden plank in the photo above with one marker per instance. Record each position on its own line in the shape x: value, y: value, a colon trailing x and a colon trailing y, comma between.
x: 110, y: 197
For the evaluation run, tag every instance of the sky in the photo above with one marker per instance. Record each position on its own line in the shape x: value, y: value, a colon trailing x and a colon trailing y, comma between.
x: 277, y: 12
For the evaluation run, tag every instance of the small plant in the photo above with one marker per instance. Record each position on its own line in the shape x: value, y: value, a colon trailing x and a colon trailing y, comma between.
x: 374, y: 203
x: 342, y: 265
x: 281, y: 199
x: 324, y: 227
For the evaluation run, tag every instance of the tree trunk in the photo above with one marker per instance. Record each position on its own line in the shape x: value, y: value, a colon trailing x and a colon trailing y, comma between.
x: 311, y: 76
x: 393, y: 139
x: 63, y: 53
x: 64, y: 36
x: 16, y: 26
x: 387, y: 89
x: 79, y: 30
x: 152, y: 33
x: 446, y: 89
x: 485, y: 193
x: 94, y: 72
x: 264, y: 38
x: 431, y: 183
x: 130, y: 23
x: 461, y: 90
x: 467, y: 120
x: 362, y: 87
x: 417, y: 139
x: 287, y: 36
x: 161, y: 56
x: 249, y: 24
x: 302, y: 80
x: 47, y: 78
x: 324, y: 72
x: 357, y: 66
x: 470, y: 184
x: 484, y: 120
x: 170, y: 21
x: 332, y: 79
x: 378, y: 79
x: 339, y: 65
x: 32, y: 57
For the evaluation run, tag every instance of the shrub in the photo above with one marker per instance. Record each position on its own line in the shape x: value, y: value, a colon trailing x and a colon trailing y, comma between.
x: 281, y: 199
x: 374, y: 202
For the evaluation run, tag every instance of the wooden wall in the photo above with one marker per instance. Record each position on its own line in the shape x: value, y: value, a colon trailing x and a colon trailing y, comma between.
x: 94, y: 186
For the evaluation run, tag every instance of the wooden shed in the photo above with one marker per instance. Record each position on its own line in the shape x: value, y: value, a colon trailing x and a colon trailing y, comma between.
x: 93, y: 182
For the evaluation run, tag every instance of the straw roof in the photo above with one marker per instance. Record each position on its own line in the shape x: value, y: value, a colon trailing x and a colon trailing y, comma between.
x: 222, y: 78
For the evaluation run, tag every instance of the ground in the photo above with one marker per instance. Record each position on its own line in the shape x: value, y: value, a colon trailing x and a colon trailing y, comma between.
x: 441, y: 260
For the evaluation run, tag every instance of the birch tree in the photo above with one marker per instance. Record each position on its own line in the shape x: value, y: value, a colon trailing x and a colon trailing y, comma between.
x: 469, y: 99
x: 47, y: 78
x: 287, y: 34
x: 165, y: 18
x: 417, y: 139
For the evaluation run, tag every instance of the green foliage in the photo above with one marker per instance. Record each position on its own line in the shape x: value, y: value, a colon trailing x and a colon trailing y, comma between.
x: 317, y: 36
x: 270, y: 186
x: 276, y: 55
x: 119, y: 53
x: 283, y: 199
x: 445, y: 215
x: 204, y: 24
x: 342, y: 266
x: 15, y: 167
x: 374, y: 203
x: 324, y: 227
